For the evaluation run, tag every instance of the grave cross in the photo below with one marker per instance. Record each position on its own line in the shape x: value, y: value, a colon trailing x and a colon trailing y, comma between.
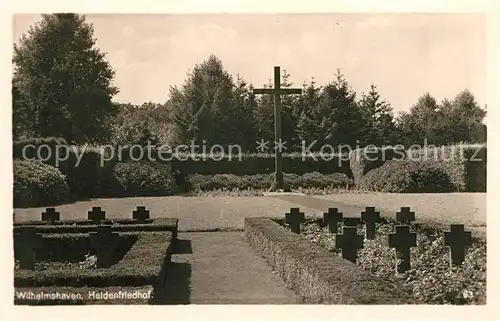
x: 294, y: 218
x: 26, y: 242
x: 405, y: 216
x: 457, y: 239
x: 50, y: 215
x: 402, y: 240
x: 351, y: 221
x: 140, y: 214
x: 277, y: 91
x: 332, y: 219
x: 96, y: 215
x: 350, y: 242
x: 105, y: 242
x: 370, y: 217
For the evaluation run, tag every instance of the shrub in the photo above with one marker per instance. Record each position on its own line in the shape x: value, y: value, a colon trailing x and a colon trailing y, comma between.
x: 38, y: 184
x: 144, y: 179
x: 464, y: 164
x: 264, y: 181
x: 86, y: 178
x: 31, y: 153
x: 404, y: 176
x: 363, y: 160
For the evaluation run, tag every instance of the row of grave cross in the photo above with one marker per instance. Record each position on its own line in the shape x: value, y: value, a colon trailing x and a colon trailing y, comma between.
x: 349, y: 241
x: 96, y: 215
x: 103, y: 241
x: 27, y: 241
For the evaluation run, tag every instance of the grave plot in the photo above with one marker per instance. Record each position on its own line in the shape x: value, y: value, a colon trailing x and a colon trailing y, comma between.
x: 335, y: 259
x: 68, y: 263
x: 139, y: 221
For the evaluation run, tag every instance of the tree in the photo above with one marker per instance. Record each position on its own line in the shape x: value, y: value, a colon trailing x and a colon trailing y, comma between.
x: 203, y: 110
x: 264, y: 115
x: 449, y: 122
x: 136, y: 125
x: 468, y: 117
x: 335, y: 119
x: 244, y: 106
x: 63, y: 80
x: 420, y: 122
x: 307, y: 110
x: 378, y: 122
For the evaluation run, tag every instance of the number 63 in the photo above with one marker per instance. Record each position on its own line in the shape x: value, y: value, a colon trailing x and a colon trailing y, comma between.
x: 467, y: 294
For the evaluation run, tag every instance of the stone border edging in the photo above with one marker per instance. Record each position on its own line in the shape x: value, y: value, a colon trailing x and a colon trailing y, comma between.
x: 313, y: 273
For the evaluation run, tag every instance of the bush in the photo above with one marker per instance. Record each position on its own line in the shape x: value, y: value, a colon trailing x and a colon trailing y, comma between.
x: 31, y: 153
x: 38, y: 184
x: 363, y: 160
x: 87, y: 178
x: 264, y: 181
x: 464, y: 164
x: 144, y: 179
x: 404, y: 176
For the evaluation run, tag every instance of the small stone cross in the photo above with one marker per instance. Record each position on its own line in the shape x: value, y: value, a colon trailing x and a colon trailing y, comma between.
x: 26, y: 242
x: 405, y: 215
x: 332, y: 219
x: 370, y: 217
x: 140, y: 214
x: 105, y: 242
x: 50, y: 215
x: 457, y: 239
x: 350, y: 242
x: 402, y: 240
x: 294, y: 218
x: 96, y: 215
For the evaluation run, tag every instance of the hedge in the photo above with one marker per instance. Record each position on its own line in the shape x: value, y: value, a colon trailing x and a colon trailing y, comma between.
x: 31, y: 153
x: 117, y: 225
x: 406, y: 176
x: 37, y: 184
x: 264, y: 181
x: 315, y: 274
x: 144, y: 264
x: 464, y: 164
x: 363, y: 160
x: 144, y: 179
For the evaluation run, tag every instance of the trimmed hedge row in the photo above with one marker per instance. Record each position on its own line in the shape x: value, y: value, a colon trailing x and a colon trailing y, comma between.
x: 461, y: 166
x: 405, y: 176
x: 144, y: 264
x: 251, y: 164
x: 264, y: 181
x: 314, y: 273
x: 363, y: 160
x: 94, y: 177
x: 464, y: 164
x: 117, y: 225
x: 38, y: 184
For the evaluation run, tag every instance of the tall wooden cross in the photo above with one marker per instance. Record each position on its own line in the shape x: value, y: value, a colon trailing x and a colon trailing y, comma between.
x: 277, y: 91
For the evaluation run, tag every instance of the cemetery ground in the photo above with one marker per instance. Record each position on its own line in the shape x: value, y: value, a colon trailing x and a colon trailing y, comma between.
x: 217, y: 257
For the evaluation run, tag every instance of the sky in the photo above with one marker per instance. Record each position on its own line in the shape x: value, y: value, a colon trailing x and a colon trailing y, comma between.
x: 403, y: 54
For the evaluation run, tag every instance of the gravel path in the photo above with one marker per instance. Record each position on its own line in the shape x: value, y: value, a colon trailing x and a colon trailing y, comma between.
x: 194, y: 213
x: 221, y: 268
x: 228, y: 213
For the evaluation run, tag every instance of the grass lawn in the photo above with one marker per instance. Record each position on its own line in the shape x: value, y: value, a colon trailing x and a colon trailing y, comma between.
x: 228, y: 213
x: 446, y: 208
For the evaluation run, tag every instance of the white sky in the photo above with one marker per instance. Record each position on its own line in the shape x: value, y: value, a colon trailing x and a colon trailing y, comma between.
x: 405, y: 55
